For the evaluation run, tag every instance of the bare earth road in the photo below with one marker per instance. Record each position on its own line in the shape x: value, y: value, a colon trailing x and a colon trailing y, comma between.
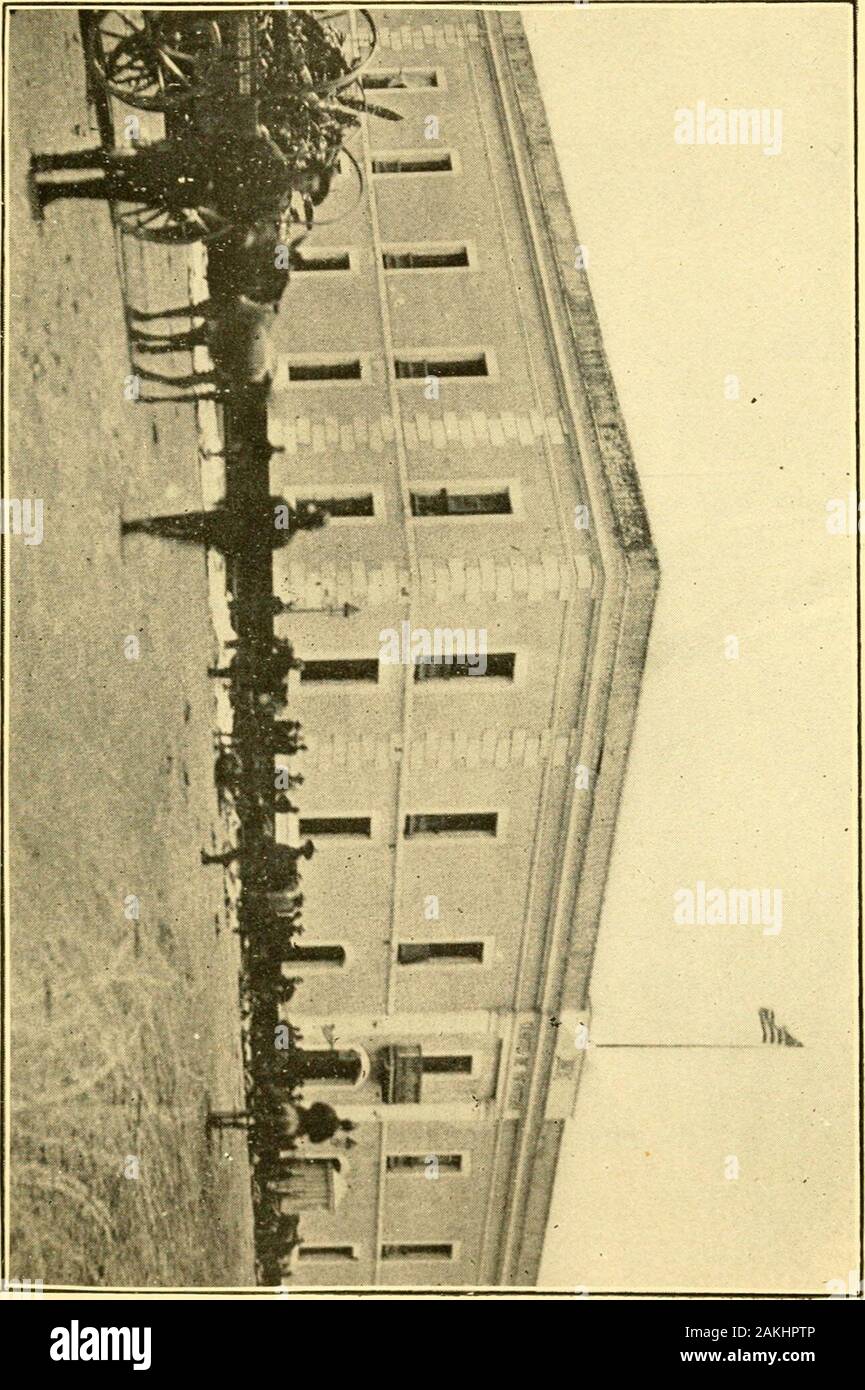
x: 122, y: 1029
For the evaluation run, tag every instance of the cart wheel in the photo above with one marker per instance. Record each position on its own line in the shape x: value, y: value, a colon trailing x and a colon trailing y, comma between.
x: 154, y: 61
x: 171, y: 226
x: 343, y: 197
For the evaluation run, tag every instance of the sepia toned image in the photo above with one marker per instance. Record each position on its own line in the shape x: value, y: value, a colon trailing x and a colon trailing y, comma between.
x: 430, y: 520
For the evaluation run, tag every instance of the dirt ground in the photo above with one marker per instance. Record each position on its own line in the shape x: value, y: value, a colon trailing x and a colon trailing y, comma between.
x: 124, y: 1028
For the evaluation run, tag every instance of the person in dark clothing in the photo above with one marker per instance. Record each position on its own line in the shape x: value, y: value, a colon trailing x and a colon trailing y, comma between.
x: 229, y: 1119
x: 228, y: 776
x: 227, y: 772
x: 269, y: 701
x: 276, y: 856
x: 243, y: 178
x: 289, y: 912
x: 285, y: 988
x: 284, y: 1234
x: 260, y: 669
x: 236, y: 533
x: 164, y: 174
x: 286, y: 739
x: 264, y: 683
x: 317, y: 1122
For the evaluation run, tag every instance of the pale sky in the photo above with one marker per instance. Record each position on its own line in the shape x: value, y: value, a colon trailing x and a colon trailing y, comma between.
x: 706, y: 262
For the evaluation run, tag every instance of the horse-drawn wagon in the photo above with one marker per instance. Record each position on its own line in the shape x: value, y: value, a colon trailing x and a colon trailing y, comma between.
x: 239, y: 90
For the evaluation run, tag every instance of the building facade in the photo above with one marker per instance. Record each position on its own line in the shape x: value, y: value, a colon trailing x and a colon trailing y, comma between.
x: 442, y: 389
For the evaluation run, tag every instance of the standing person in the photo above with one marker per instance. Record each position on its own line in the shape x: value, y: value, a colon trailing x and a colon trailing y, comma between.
x: 286, y: 738
x: 278, y: 858
x: 164, y: 174
x: 236, y: 533
x: 266, y: 679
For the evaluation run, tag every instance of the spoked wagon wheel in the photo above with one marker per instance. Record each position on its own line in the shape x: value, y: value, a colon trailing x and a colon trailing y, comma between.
x: 171, y: 226
x: 344, y: 194
x: 357, y: 49
x: 154, y: 61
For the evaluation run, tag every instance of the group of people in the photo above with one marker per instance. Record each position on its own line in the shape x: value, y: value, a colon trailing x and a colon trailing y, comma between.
x: 243, y: 178
x: 264, y: 207
x: 282, y: 1124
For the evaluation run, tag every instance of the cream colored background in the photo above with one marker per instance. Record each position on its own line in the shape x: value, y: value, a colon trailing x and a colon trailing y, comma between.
x: 706, y: 261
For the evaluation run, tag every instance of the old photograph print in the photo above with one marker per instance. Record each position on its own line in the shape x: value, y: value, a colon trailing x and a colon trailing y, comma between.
x: 431, y: 841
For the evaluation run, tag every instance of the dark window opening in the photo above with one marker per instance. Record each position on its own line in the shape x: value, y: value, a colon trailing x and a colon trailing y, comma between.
x: 315, y: 955
x: 452, y: 823
x: 418, y: 1251
x: 360, y: 505
x: 445, y: 503
x: 450, y: 1066
x: 412, y: 164
x: 410, y: 368
x: 322, y: 260
x: 414, y: 1163
x: 389, y: 80
x: 347, y: 370
x: 416, y: 952
x: 346, y: 669
x: 326, y: 1252
x: 336, y: 825
x: 499, y: 665
x: 329, y: 1064
x: 425, y: 260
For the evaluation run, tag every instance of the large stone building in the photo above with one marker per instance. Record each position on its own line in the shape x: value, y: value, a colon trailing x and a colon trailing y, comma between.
x: 443, y: 387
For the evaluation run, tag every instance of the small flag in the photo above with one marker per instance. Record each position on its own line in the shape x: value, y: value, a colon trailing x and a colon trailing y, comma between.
x: 774, y: 1033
